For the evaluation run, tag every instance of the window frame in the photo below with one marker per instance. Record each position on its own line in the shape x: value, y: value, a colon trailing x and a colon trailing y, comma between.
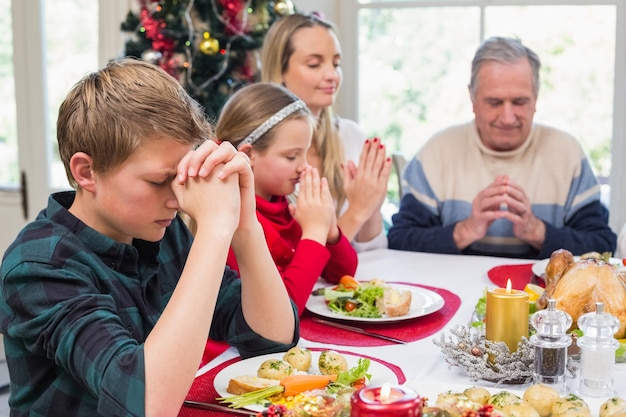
x: 29, y: 60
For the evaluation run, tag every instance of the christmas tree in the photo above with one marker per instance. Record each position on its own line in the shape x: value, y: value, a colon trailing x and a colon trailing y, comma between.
x: 210, y: 46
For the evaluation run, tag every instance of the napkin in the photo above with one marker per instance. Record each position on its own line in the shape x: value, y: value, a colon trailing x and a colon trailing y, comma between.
x: 520, y: 275
x: 408, y: 330
x: 203, y: 389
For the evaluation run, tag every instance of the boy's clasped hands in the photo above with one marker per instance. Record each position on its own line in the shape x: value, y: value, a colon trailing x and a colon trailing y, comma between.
x: 212, y: 170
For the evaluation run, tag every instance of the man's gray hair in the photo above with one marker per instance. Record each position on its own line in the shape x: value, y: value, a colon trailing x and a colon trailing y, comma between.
x: 505, y: 50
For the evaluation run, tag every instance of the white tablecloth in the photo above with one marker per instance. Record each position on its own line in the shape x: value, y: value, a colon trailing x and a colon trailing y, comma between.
x: 421, y: 361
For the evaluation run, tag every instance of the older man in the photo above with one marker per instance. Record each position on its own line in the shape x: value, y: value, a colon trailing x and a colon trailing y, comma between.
x: 502, y: 185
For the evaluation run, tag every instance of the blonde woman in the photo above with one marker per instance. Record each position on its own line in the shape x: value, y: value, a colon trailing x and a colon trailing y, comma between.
x: 302, y: 53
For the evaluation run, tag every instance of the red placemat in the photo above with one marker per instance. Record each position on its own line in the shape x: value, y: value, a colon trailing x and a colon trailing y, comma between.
x: 212, y: 350
x: 520, y: 275
x: 203, y: 390
x: 408, y: 330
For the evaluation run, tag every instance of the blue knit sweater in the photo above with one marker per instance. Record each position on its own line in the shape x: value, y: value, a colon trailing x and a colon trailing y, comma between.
x: 447, y: 173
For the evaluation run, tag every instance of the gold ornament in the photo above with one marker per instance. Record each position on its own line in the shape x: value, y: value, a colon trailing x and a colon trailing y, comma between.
x: 284, y: 7
x: 208, y: 45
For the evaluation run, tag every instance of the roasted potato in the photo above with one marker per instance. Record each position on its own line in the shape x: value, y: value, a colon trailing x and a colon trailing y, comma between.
x: 274, y: 369
x: 502, y: 399
x: 612, y: 407
x: 570, y: 406
x: 455, y: 403
x: 478, y: 395
x: 331, y: 363
x: 299, y: 358
x: 542, y: 398
x: 521, y: 408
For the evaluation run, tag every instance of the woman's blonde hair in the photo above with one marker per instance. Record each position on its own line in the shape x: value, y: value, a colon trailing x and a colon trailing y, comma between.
x: 252, y: 106
x: 110, y: 112
x: 275, y: 54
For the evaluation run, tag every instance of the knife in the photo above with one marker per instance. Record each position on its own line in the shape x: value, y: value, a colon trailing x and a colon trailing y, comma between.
x: 357, y: 330
x: 215, y: 407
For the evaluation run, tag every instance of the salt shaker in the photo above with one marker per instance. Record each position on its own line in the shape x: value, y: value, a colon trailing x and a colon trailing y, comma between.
x: 597, y: 352
x: 551, y: 342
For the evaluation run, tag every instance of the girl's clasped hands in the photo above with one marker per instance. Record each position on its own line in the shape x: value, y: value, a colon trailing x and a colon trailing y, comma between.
x: 314, y: 209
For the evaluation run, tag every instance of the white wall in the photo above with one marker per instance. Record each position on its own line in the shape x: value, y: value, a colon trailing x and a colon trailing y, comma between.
x: 330, y: 8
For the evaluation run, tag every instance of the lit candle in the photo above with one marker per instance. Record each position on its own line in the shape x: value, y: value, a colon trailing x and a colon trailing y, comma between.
x: 506, y: 318
x: 386, y: 400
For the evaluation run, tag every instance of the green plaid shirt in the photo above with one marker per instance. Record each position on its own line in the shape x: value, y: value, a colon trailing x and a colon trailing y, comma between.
x: 77, y: 306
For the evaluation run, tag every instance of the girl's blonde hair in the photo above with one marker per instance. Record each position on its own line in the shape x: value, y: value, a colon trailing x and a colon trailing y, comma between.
x: 275, y: 54
x: 250, y: 107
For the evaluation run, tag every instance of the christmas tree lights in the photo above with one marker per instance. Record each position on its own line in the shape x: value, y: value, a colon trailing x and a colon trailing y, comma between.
x: 210, y: 46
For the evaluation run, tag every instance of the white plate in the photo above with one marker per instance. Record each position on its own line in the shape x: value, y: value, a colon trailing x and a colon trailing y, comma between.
x: 423, y: 302
x: 539, y: 268
x: 380, y: 373
x: 431, y: 389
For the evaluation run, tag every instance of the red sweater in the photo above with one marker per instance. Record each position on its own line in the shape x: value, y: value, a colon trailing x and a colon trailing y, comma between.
x: 300, y: 262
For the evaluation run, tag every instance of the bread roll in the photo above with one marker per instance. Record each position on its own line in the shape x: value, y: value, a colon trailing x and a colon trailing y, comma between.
x: 248, y: 383
x: 396, y: 302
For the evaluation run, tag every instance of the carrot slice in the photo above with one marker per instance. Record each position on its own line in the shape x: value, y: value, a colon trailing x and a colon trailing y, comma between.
x: 295, y: 384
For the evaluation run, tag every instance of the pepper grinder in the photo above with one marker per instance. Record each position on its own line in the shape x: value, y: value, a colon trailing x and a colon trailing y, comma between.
x: 597, y: 352
x: 551, y: 341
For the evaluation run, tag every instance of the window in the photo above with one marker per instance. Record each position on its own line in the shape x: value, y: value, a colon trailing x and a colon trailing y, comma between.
x: 71, y: 44
x: 414, y: 60
x: 45, y: 47
x: 9, y: 171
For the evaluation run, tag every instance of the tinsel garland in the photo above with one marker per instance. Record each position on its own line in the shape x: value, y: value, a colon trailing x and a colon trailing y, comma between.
x: 488, y: 360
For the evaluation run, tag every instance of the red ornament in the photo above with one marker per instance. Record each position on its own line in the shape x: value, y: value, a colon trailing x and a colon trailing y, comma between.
x: 152, y: 28
x: 232, y: 15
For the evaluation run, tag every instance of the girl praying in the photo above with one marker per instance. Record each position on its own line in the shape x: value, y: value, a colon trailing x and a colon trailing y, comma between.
x: 275, y: 128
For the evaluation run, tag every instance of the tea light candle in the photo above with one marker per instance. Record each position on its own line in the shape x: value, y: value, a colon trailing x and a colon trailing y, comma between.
x: 506, y: 318
x: 386, y: 400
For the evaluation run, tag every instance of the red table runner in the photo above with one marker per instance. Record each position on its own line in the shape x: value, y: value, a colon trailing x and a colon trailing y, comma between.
x: 408, y: 330
x: 203, y: 390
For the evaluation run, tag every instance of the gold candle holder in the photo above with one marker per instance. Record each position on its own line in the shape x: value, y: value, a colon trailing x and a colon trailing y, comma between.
x: 506, y: 318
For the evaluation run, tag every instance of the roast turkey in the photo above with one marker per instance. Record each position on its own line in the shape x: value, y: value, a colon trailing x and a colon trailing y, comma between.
x: 578, y: 285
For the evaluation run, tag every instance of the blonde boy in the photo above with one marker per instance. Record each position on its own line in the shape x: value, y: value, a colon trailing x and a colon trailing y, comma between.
x: 107, y: 300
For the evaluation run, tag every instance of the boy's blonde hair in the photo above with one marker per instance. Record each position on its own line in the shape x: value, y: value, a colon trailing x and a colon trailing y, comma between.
x: 275, y: 54
x: 250, y: 107
x: 110, y: 112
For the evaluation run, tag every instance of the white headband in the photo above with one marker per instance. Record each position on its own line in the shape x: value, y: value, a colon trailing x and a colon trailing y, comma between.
x: 278, y: 117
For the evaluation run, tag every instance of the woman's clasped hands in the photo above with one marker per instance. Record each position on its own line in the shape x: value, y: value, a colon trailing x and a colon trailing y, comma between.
x: 365, y: 186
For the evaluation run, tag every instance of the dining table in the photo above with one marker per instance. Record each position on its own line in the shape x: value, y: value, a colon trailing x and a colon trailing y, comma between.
x: 460, y: 279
